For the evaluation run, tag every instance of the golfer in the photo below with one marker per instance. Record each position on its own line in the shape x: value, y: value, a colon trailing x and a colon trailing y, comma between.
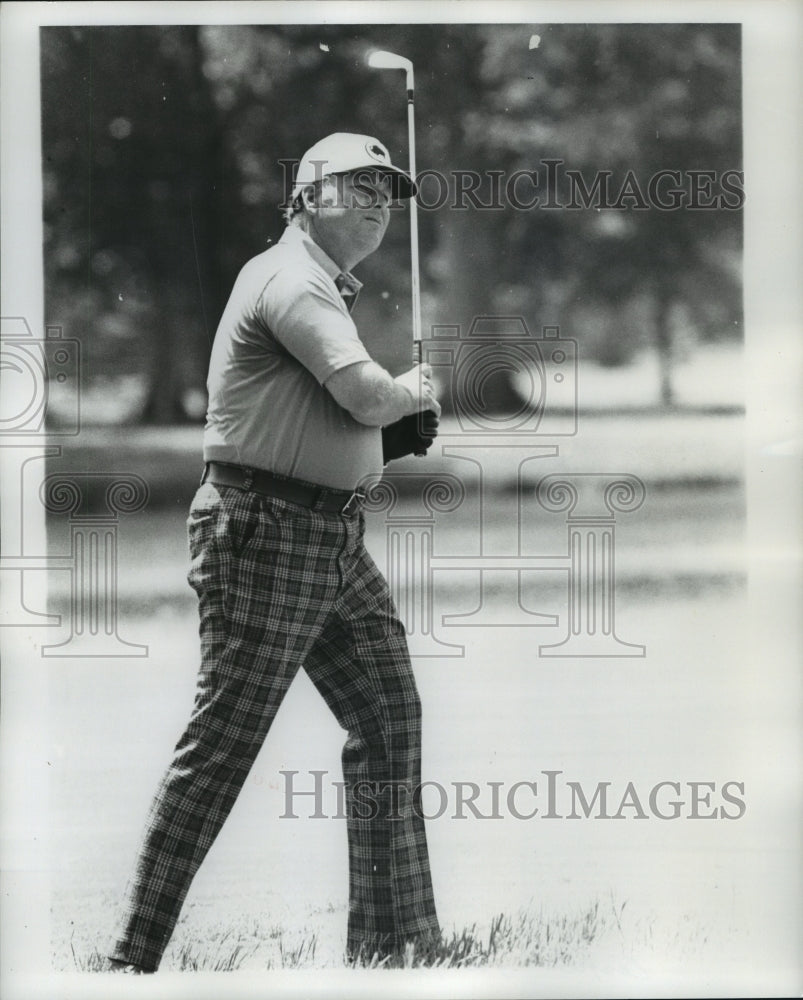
x: 299, y: 415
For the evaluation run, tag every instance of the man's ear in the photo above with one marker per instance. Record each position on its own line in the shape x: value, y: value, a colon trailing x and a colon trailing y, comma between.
x: 310, y: 197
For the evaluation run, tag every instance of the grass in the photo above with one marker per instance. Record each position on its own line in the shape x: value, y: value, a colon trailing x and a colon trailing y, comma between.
x: 526, y: 938
x: 520, y: 940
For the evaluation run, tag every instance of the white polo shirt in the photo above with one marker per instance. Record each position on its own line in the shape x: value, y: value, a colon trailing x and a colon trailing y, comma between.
x: 284, y: 331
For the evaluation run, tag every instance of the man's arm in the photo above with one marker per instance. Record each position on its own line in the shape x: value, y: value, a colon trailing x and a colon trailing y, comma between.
x: 373, y: 397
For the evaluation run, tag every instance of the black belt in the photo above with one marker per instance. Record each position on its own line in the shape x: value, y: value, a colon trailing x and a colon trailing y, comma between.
x: 316, y: 497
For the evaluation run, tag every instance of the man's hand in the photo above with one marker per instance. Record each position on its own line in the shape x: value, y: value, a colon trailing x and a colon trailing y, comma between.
x: 418, y: 383
x: 411, y: 435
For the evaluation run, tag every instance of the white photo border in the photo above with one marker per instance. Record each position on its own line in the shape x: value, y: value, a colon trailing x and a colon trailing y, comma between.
x: 773, y: 263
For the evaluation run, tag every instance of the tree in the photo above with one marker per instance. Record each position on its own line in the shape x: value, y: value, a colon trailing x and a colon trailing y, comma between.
x: 632, y: 101
x: 163, y: 172
x: 130, y: 152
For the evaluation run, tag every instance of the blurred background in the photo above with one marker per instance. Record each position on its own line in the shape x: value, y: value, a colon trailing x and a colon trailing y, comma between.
x: 163, y: 152
x: 162, y: 160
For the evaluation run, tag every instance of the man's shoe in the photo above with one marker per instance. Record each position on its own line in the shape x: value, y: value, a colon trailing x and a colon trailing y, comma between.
x: 116, y: 965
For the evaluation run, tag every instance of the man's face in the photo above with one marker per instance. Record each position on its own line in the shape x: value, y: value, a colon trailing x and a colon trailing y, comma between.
x: 352, y: 215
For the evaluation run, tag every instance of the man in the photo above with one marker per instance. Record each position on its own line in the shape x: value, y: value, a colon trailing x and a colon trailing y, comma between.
x: 299, y: 415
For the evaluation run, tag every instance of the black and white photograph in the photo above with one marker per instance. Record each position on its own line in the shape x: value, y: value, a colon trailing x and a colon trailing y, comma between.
x: 402, y: 496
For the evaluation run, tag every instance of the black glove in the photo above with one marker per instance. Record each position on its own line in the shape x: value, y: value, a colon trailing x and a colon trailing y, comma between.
x: 411, y: 435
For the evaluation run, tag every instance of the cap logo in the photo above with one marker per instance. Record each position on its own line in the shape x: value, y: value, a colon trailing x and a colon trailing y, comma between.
x: 376, y: 151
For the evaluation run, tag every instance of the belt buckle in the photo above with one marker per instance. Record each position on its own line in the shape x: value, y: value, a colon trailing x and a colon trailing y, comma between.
x: 353, y: 503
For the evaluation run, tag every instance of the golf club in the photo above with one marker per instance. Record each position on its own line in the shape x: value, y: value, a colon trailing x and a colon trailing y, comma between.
x: 380, y: 59
x: 389, y: 60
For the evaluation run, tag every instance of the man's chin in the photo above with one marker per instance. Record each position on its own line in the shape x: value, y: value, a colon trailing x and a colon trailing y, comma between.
x: 369, y: 246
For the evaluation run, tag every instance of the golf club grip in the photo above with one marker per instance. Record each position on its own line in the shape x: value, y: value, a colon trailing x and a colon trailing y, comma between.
x: 417, y: 361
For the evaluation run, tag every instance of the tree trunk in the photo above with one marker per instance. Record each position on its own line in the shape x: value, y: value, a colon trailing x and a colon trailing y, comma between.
x: 183, y: 249
x: 663, y: 345
x: 165, y: 382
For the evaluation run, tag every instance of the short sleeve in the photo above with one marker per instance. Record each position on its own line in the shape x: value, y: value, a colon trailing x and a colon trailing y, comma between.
x: 306, y: 316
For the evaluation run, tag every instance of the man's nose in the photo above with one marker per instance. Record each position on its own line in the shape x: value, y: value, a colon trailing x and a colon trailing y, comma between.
x: 380, y: 199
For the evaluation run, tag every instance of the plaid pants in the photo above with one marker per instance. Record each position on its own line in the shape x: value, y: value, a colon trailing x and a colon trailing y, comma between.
x: 281, y: 586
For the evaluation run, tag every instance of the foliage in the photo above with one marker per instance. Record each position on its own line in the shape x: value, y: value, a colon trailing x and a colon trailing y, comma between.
x: 162, y: 169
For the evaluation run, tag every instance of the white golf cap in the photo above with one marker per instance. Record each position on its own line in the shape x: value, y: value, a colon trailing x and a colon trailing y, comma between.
x: 343, y: 152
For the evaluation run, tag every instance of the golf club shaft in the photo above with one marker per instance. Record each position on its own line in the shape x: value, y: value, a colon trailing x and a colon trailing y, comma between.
x: 416, y: 271
x: 416, y: 268
x: 390, y: 60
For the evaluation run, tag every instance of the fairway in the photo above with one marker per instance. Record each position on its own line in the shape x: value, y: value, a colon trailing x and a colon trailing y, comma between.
x: 662, y: 890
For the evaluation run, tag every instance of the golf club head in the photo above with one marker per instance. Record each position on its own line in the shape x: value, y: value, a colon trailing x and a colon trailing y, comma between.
x: 379, y: 59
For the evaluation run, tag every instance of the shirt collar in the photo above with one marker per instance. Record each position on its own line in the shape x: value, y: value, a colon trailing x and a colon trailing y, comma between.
x: 295, y: 236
